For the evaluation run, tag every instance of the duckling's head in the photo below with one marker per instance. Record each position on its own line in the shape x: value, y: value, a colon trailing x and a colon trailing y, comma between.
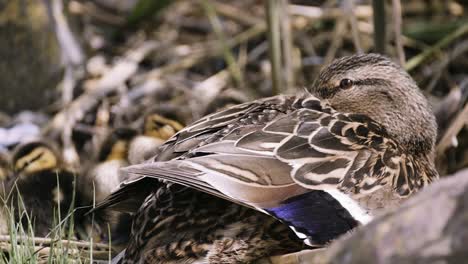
x: 160, y: 127
x: 373, y: 85
x: 34, y: 157
x: 115, y: 146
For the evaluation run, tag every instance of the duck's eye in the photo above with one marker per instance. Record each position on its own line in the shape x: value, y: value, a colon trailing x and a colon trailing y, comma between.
x: 346, y: 83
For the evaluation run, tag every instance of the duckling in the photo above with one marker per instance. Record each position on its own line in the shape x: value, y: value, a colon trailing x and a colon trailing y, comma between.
x: 5, y: 166
x: 41, y: 186
x: 122, y: 147
x: 156, y: 130
x: 99, y: 180
x: 5, y: 173
x: 102, y: 178
x: 126, y: 146
x: 359, y: 141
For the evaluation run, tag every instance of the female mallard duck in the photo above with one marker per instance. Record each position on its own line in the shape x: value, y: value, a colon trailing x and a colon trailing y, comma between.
x: 42, y: 185
x: 323, y: 163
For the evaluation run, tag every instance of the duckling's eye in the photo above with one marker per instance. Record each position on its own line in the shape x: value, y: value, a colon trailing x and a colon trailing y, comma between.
x: 346, y: 84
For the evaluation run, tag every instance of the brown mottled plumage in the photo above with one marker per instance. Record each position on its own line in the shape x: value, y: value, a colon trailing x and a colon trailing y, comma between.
x: 177, y: 224
x: 323, y: 163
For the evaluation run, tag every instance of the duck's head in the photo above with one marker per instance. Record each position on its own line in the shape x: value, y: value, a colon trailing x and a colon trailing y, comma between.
x: 373, y: 85
x: 34, y: 157
x: 160, y: 127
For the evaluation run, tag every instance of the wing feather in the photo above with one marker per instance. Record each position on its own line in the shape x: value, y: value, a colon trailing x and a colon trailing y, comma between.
x: 262, y: 153
x: 213, y: 174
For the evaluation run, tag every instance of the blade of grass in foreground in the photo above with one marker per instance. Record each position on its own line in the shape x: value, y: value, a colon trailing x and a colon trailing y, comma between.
x: 59, y: 246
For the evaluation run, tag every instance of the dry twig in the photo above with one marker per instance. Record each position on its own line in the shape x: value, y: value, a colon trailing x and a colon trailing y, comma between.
x: 423, y: 56
x: 450, y: 135
x: 397, y: 21
x: 379, y: 25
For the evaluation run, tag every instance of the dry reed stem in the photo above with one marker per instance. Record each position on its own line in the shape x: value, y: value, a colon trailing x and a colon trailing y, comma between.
x: 397, y: 22
x: 349, y: 7
x: 273, y: 11
x: 426, y: 54
x: 447, y: 139
x: 380, y: 30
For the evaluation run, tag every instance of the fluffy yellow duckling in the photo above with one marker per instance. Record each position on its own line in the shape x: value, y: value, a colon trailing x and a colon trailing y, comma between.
x: 156, y: 130
x: 40, y: 185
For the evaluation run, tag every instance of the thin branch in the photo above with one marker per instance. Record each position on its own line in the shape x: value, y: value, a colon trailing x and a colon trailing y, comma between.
x: 337, y: 40
x: 452, y: 131
x: 420, y: 58
x: 72, y: 54
x: 273, y: 10
x: 287, y: 40
x: 234, y: 69
x: 349, y: 7
x: 108, y: 83
x: 397, y: 22
x: 48, y: 241
x: 436, y: 72
x: 236, y: 14
x: 361, y: 11
x: 207, y: 53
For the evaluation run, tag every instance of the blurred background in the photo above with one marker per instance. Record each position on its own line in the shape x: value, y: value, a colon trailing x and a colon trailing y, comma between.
x: 71, y: 71
x: 126, y: 57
